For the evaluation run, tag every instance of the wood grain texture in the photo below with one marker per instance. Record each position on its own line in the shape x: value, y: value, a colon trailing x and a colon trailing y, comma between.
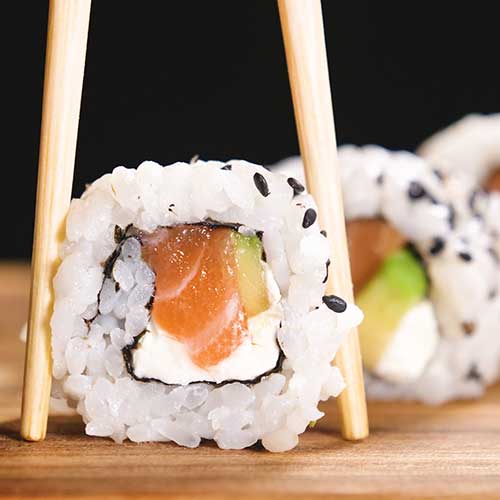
x: 413, y: 451
x: 64, y: 66
x: 304, y: 39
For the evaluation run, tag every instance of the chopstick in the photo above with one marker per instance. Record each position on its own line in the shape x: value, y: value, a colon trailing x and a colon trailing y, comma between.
x: 65, y: 60
x: 303, y: 35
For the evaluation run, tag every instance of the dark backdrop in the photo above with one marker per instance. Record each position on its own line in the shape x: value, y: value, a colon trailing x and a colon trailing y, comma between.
x: 167, y: 79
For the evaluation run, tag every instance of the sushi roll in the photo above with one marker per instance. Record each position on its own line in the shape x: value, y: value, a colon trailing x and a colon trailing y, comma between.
x: 468, y: 155
x: 428, y: 288
x: 190, y: 304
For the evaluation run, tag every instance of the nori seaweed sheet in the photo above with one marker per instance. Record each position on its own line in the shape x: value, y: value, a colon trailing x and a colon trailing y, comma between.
x: 127, y: 352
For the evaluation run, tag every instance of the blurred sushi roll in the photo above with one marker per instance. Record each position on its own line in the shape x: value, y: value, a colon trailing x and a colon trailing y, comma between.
x: 427, y: 286
x: 467, y: 154
x: 190, y: 304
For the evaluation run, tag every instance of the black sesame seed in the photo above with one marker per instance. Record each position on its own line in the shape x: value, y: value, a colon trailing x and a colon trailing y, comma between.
x: 328, y: 262
x: 438, y: 174
x: 468, y: 327
x: 117, y: 286
x: 432, y: 199
x: 261, y: 184
x: 309, y: 218
x: 227, y: 167
x: 297, y: 187
x: 336, y: 304
x: 472, y: 200
x: 451, y: 216
x: 465, y: 256
x: 437, y: 246
x: 416, y: 190
x: 324, y: 233
x: 473, y: 373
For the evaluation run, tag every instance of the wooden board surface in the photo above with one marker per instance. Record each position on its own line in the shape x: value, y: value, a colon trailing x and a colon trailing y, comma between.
x: 413, y: 450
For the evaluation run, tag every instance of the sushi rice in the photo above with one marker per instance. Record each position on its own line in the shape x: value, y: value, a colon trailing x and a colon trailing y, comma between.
x: 104, y: 289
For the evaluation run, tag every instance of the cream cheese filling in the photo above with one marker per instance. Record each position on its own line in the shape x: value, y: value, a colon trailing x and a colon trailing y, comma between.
x: 412, y: 346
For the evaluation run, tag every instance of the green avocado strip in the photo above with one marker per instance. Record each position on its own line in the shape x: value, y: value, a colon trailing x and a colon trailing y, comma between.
x: 399, y: 285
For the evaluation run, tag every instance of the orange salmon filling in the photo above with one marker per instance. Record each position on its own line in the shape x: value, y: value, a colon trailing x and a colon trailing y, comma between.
x: 493, y: 181
x: 197, y: 300
x: 370, y: 242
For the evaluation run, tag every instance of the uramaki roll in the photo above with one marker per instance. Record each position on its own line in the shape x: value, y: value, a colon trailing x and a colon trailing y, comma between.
x: 189, y: 305
x: 428, y: 288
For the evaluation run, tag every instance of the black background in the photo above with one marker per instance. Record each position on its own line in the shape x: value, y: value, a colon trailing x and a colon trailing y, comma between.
x: 167, y: 79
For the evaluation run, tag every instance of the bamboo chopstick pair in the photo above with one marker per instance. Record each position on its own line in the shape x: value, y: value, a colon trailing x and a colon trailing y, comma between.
x: 303, y: 34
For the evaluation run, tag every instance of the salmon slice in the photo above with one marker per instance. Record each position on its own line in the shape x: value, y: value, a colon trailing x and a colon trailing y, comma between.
x: 370, y: 242
x: 492, y: 183
x: 197, y: 300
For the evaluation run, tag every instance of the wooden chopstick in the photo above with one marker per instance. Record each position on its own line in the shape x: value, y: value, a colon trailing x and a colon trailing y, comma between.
x: 65, y: 60
x: 303, y: 34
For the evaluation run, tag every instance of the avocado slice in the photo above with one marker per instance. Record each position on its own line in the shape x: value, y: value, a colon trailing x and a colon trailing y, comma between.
x: 251, y: 276
x: 399, y: 285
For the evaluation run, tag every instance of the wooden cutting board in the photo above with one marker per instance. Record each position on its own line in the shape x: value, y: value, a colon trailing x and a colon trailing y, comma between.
x: 414, y: 451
